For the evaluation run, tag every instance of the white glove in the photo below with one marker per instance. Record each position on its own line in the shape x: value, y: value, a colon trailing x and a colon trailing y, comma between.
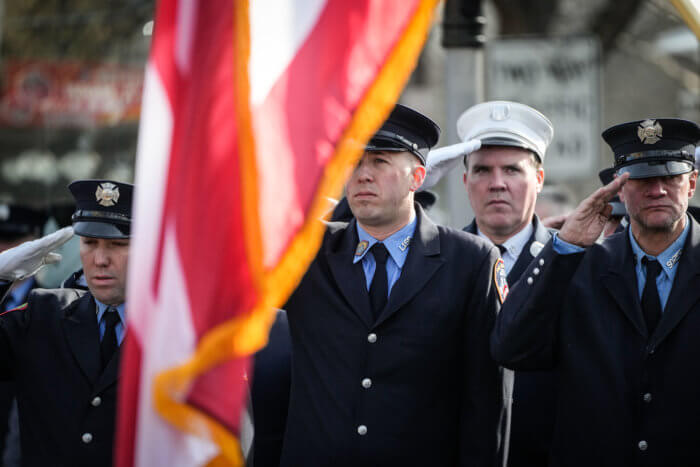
x: 442, y: 160
x: 26, y: 259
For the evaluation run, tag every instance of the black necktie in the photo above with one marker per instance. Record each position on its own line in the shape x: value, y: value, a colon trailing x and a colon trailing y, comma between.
x: 651, y: 303
x: 379, y: 289
x: 502, y: 249
x: 109, y: 342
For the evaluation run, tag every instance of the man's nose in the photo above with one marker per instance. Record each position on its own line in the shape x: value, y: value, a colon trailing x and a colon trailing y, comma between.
x: 656, y: 187
x: 497, y: 181
x: 363, y: 172
x: 101, y: 257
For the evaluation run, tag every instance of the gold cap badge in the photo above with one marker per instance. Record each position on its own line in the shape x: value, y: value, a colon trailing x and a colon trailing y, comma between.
x: 649, y: 131
x: 107, y: 194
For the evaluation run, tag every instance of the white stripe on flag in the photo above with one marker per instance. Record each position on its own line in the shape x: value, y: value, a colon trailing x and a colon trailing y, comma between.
x: 153, y: 160
x: 162, y: 325
x: 277, y: 30
x: 172, y: 336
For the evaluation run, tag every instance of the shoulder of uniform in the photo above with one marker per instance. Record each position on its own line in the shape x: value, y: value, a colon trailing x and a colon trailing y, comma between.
x: 611, y: 244
x: 22, y: 307
x: 56, y: 297
x: 464, y: 240
x: 333, y: 228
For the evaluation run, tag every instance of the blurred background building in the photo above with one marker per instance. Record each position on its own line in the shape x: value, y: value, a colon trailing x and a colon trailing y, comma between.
x: 586, y: 65
x: 71, y: 75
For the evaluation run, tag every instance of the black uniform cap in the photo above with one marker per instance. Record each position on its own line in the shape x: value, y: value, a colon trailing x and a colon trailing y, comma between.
x: 406, y: 130
x: 103, y: 208
x: 606, y: 176
x: 653, y: 147
x: 18, y: 221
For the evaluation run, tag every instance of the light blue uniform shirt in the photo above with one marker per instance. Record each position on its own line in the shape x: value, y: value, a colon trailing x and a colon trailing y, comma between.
x: 514, y: 245
x: 397, y: 244
x: 668, y: 260
x: 119, y: 328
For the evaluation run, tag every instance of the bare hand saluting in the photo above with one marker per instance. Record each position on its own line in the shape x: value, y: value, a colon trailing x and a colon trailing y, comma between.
x: 585, y: 224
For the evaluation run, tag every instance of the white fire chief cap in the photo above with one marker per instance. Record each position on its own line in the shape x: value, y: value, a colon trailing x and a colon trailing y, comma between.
x: 504, y: 123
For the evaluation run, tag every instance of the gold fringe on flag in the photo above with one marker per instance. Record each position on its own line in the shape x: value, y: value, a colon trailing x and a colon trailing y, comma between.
x: 245, y: 334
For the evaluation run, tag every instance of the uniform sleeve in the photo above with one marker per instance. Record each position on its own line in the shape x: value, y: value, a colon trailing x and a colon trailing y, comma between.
x: 13, y: 324
x: 526, y: 332
x: 483, y: 390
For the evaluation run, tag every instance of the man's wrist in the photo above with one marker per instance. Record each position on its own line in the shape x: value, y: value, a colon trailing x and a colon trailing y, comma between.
x: 563, y: 247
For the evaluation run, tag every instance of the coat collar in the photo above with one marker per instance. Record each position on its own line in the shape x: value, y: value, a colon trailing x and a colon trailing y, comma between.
x: 621, y: 282
x: 83, y: 338
x: 540, y: 234
x: 422, y: 262
x: 620, y: 279
x: 684, y: 293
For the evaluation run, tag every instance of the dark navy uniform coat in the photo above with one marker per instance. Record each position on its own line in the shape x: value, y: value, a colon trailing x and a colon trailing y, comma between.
x: 416, y: 387
x: 66, y: 404
x: 534, y: 394
x: 625, y: 398
x: 270, y: 394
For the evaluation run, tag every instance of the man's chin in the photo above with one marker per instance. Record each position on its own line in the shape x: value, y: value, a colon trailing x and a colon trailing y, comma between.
x: 659, y: 223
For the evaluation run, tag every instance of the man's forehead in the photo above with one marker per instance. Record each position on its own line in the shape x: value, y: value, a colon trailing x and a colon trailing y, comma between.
x: 403, y: 155
x: 385, y: 153
x: 85, y: 238
x: 641, y: 181
x: 490, y: 155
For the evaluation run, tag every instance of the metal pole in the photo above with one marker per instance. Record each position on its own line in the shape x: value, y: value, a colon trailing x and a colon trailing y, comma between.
x: 463, y: 37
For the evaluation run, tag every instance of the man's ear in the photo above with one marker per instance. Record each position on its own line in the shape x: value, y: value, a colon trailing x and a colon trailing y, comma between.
x: 692, y: 180
x: 539, y: 173
x: 417, y: 177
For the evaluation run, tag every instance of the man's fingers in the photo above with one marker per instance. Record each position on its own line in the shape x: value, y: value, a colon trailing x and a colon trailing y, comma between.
x: 52, y: 258
x: 614, y: 187
x: 55, y: 240
x: 602, y: 195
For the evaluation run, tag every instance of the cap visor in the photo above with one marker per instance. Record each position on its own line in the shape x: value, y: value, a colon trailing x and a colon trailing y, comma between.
x: 655, y: 169
x: 100, y: 230
x: 511, y: 141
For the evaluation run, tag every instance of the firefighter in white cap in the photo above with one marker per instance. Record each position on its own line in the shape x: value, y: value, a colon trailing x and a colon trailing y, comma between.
x: 502, y: 179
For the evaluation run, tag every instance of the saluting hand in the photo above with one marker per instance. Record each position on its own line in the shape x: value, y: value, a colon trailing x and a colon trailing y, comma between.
x: 26, y: 259
x: 585, y: 224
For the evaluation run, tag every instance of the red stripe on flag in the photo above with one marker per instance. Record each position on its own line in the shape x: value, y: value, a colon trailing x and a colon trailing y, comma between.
x: 128, y: 402
x: 310, y: 106
x: 211, y: 204
x: 203, y: 196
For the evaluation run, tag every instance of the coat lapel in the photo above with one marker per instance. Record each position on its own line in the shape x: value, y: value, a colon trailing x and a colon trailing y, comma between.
x: 82, y: 335
x: 539, y: 234
x: 421, y: 264
x: 621, y: 280
x: 471, y: 228
x: 684, y: 293
x: 110, y: 373
x: 349, y: 277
